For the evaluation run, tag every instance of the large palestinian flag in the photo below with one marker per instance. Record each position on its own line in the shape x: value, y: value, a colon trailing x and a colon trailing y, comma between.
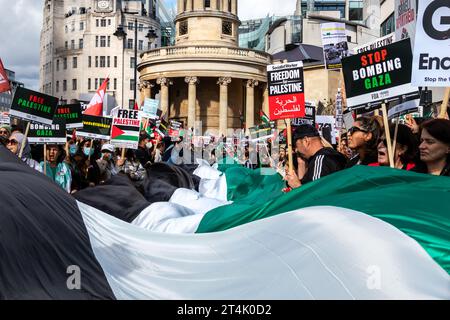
x: 355, y: 245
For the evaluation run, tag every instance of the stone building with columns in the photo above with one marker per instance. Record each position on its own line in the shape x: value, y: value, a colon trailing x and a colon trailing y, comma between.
x: 206, y: 76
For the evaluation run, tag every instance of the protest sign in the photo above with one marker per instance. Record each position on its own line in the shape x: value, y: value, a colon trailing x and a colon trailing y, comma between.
x: 397, y: 109
x: 151, y: 109
x: 95, y: 127
x: 125, y: 129
x: 335, y: 46
x: 405, y: 19
x: 286, y: 91
x: 33, y: 106
x: 339, y: 111
x: 378, y: 43
x: 380, y: 75
x: 72, y: 114
x: 309, y: 118
x: 326, y: 126
x: 4, y: 118
x: 431, y: 62
x: 175, y: 129
x: 48, y: 134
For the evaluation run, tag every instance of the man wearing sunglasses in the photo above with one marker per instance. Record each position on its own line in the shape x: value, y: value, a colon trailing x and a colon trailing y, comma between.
x: 314, y: 159
x: 5, y: 131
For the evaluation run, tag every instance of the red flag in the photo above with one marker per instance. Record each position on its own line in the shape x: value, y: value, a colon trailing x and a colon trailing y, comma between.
x: 4, y: 82
x: 136, y: 107
x: 95, y: 107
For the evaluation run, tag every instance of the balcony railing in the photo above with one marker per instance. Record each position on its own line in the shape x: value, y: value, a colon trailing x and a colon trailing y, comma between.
x: 201, y: 51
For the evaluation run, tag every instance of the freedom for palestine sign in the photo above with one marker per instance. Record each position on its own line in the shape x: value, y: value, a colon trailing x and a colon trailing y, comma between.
x: 125, y: 129
x: 379, y: 75
x: 33, y: 106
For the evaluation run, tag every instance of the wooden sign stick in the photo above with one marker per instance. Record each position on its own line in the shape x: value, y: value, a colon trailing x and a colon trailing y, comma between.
x: 289, y: 141
x: 442, y: 114
x: 24, y: 140
x: 388, y: 135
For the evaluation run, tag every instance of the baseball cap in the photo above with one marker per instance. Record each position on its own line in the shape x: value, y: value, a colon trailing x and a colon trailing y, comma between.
x: 108, y: 147
x: 305, y: 130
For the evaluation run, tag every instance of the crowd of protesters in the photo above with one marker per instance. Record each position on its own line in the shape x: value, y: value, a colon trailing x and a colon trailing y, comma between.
x: 85, y: 163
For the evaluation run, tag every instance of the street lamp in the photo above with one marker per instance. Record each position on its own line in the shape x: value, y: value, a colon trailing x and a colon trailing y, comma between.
x: 122, y: 35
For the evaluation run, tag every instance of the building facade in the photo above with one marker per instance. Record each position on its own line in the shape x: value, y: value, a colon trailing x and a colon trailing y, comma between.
x: 79, y: 49
x: 6, y: 97
x: 206, y: 76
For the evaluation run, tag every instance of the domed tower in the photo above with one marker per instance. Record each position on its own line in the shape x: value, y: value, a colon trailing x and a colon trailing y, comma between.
x: 206, y: 80
x: 212, y: 22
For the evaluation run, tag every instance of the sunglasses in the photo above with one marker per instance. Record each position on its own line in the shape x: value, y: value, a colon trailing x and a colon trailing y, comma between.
x: 3, y: 132
x: 13, y: 142
x: 352, y: 130
x: 384, y: 141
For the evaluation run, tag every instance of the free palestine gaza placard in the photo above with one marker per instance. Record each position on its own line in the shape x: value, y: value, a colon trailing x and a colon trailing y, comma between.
x: 48, y: 134
x: 379, y: 75
x: 72, y: 114
x: 33, y: 106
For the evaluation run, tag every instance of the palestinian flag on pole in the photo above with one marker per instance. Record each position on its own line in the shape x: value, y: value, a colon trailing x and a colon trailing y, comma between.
x: 265, y: 119
x: 4, y: 82
x: 310, y: 248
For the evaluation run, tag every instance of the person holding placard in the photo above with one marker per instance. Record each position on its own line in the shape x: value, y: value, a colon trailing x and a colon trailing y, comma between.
x: 14, y: 145
x: 55, y: 167
x: 314, y: 159
x: 363, y: 139
x: 435, y: 147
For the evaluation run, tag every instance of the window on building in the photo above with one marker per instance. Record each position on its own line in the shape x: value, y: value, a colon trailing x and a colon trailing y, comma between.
x: 229, y: 5
x: 102, y: 62
x: 183, y: 27
x: 207, y: 4
x: 74, y: 84
x: 130, y: 25
x: 115, y: 83
x: 141, y: 27
x: 96, y: 83
x: 227, y: 27
x: 109, y: 41
x: 74, y: 62
x: 81, y: 26
x: 141, y: 45
x: 356, y: 10
x: 115, y: 61
x: 109, y: 22
x: 108, y: 61
x: 107, y: 85
x: 132, y: 85
x: 132, y: 63
x: 57, y: 86
x: 130, y: 44
x: 81, y: 43
x: 57, y: 65
x: 89, y: 83
x: 97, y: 23
x: 89, y: 62
x: 64, y: 85
x: 96, y: 61
x: 388, y: 26
x: 72, y: 44
x: 103, y: 22
x: 66, y: 45
x: 103, y: 41
x: 65, y: 63
x: 96, y: 41
x: 131, y: 104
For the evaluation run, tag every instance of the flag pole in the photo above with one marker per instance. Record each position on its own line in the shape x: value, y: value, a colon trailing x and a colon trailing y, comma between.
x: 45, y: 159
x: 289, y: 141
x: 24, y: 140
x: 388, y: 135
x: 394, y: 143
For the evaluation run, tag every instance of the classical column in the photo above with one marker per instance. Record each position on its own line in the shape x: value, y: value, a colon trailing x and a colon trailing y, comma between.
x: 250, y: 107
x: 165, y: 83
x: 266, y: 100
x: 223, y: 113
x: 192, y: 100
x: 145, y: 88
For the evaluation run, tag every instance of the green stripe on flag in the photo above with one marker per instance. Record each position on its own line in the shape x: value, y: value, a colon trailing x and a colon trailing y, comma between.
x: 127, y: 138
x: 416, y: 204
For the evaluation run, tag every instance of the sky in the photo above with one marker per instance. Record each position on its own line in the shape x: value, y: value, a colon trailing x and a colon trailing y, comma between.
x: 21, y: 22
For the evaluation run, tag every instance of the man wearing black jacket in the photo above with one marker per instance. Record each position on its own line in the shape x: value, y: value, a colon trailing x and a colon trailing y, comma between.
x: 314, y: 160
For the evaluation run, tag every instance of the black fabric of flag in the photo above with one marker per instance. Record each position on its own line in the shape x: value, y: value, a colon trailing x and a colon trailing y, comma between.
x: 42, y: 234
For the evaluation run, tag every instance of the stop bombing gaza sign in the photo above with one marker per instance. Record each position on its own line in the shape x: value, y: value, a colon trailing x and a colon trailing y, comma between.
x: 286, y: 91
x: 379, y: 76
x: 125, y: 129
x: 33, y: 106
